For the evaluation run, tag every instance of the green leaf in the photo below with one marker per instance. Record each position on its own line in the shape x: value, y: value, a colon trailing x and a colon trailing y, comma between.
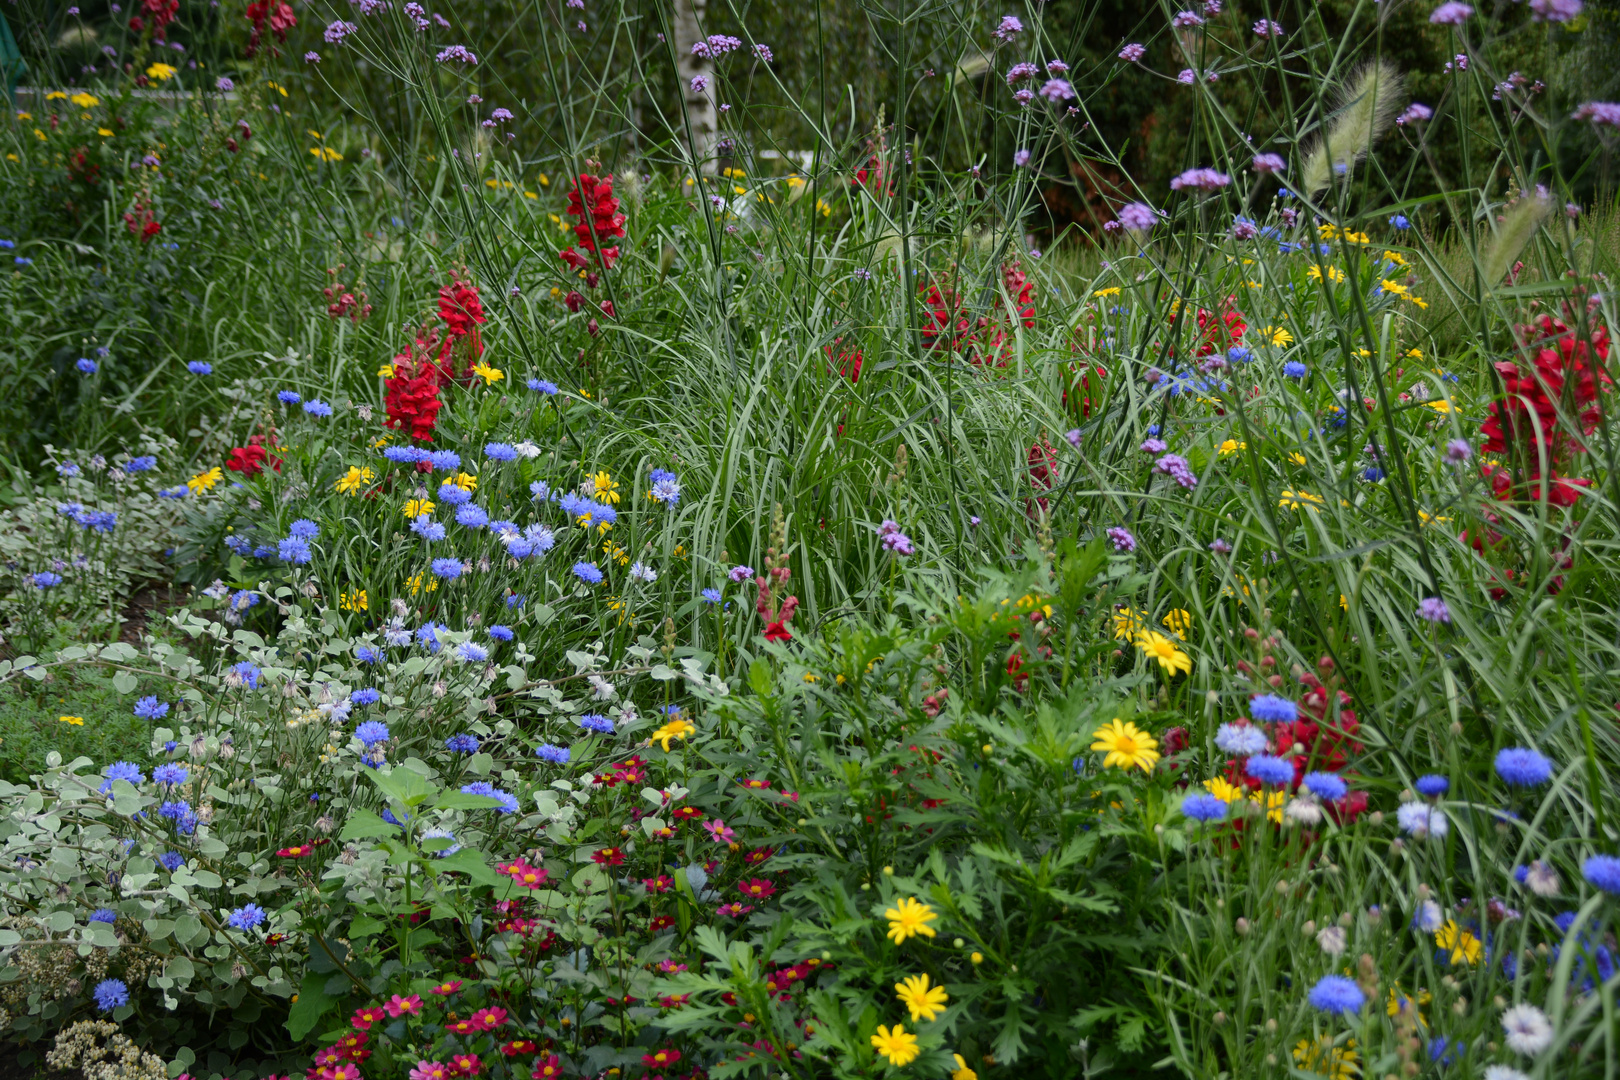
x: 363, y: 824
x: 759, y: 677
x: 313, y: 1002
x: 456, y: 800
x: 403, y: 785
x: 125, y: 682
x: 472, y: 864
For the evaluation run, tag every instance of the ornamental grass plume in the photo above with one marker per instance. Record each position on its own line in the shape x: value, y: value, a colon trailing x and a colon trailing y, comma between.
x: 1514, y: 233
x: 1366, y: 108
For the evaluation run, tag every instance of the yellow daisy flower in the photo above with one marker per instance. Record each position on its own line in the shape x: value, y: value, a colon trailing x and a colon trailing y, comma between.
x: 84, y: 100
x: 416, y: 584
x: 161, y: 72
x: 1393, y: 287
x: 1232, y: 446
x: 326, y: 153
x: 1464, y: 947
x: 909, y: 918
x: 1276, y: 335
x: 1126, y: 746
x: 1160, y: 648
x: 1179, y: 621
x: 675, y: 729
x: 962, y: 1072
x: 466, y: 481
x: 1334, y: 274
x: 355, y: 480
x: 1325, y: 1059
x: 354, y: 601
x: 1224, y: 790
x: 898, y: 1045
x: 76, y: 721
x: 205, y: 481
x: 925, y: 1002
x: 607, y: 488
x: 1295, y: 500
x: 490, y: 375
x: 417, y: 507
x: 1128, y: 623
x: 1112, y: 290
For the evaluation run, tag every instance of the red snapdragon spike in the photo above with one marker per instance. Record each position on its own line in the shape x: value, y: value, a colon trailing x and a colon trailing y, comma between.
x: 411, y: 396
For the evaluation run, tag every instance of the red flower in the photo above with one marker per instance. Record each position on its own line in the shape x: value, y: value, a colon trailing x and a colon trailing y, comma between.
x: 608, y: 856
x: 594, y: 196
x: 758, y: 855
x: 461, y: 1027
x: 300, y: 850
x: 758, y: 888
x: 660, y: 1059
x: 547, y: 1068
x: 1043, y: 473
x: 277, y: 14
x: 661, y: 883
x: 687, y: 812
x: 519, y: 1046
x: 756, y: 785
x: 351, y: 1042
x: 735, y: 910
x: 364, y: 1018
x: 411, y: 395
x: 466, y: 1065
x: 446, y: 989
x: 662, y: 922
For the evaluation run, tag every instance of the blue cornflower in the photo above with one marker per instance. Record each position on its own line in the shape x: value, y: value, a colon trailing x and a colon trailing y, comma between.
x: 1336, y: 994
x: 388, y: 816
x: 104, y: 915
x: 288, y: 397
x: 371, y: 733
x: 711, y: 595
x: 264, y: 551
x: 557, y: 755
x: 316, y: 407
x: 243, y: 599
x: 1270, y: 708
x: 588, y: 573
x: 503, y: 528
x: 501, y: 633
x: 1295, y: 370
x: 1442, y: 1053
x: 462, y: 744
x: 86, y: 365
x: 111, y: 994
x: 1603, y: 872
x: 1269, y: 769
x: 294, y: 550
x: 405, y: 455
x: 174, y: 809
x: 170, y: 772
x: 543, y: 386
x: 472, y: 654
x: 248, y: 674
x: 666, y: 487
x: 367, y: 655
x: 200, y: 367
x: 471, y: 516
x: 540, y: 490
x: 508, y: 801
x: 449, y: 569
x: 1524, y: 767
x: 1400, y: 221
x: 428, y: 634
x: 144, y: 463
x: 598, y: 514
x: 246, y: 917
x: 1326, y: 785
x: 1237, y: 354
x: 499, y: 451
x: 515, y: 601
x: 169, y: 747
x: 171, y: 861
x: 23, y: 260
x: 453, y: 495
x: 239, y: 544
x: 427, y: 528
x: 1240, y: 740
x: 596, y: 722
x: 304, y: 529
x: 1203, y: 807
x: 1431, y: 785
x: 1372, y: 474
x: 445, y: 459
x: 46, y: 579
x: 121, y: 770
x: 177, y: 492
x: 366, y: 695
x: 441, y: 834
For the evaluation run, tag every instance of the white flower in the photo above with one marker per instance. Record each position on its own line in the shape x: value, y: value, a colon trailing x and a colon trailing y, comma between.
x: 527, y: 449
x: 642, y: 572
x: 1542, y: 879
x: 603, y: 689
x: 1429, y: 918
x: 1303, y: 811
x: 1528, y: 1030
x: 1332, y: 940
x: 1421, y: 819
x: 1240, y: 740
x: 1503, y: 1072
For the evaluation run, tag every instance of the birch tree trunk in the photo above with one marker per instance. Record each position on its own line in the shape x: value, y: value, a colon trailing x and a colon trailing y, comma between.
x: 692, y: 66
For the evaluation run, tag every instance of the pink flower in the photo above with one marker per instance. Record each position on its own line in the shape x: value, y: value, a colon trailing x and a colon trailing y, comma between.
x: 431, y: 1070
x: 1200, y: 180
x: 1269, y: 163
x: 1133, y: 52
x: 1266, y: 28
x: 1555, y: 10
x: 398, y: 1006
x: 718, y: 829
x: 1414, y: 112
x: 1599, y: 112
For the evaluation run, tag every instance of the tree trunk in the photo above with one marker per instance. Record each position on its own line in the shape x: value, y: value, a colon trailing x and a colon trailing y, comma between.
x: 692, y: 66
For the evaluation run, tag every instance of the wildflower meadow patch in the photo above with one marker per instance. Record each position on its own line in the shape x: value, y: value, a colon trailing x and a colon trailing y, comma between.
x: 848, y: 540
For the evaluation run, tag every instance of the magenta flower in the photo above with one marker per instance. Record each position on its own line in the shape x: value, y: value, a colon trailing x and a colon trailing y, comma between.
x: 722, y: 833
x: 1599, y: 112
x: 1185, y: 19
x: 1414, y: 112
x: 1555, y: 10
x: 1057, y: 90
